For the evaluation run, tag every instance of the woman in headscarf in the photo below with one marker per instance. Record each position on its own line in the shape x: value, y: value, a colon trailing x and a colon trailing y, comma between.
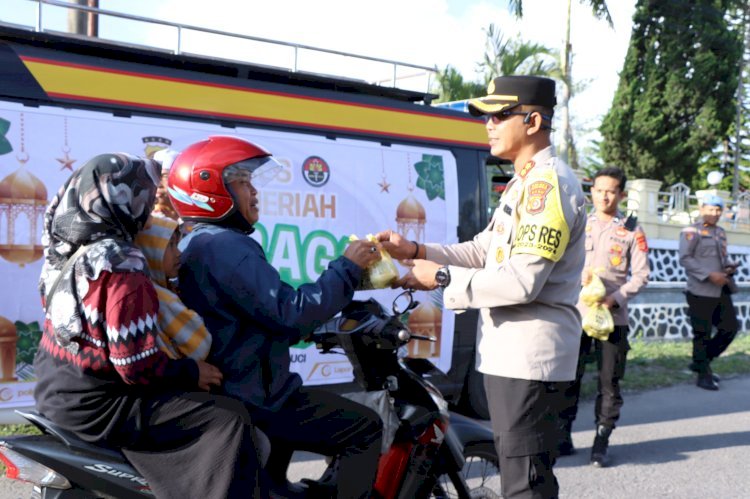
x: 100, y: 371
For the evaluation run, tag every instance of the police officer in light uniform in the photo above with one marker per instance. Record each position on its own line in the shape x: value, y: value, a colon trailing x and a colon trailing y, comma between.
x: 703, y: 253
x: 615, y: 247
x: 523, y: 273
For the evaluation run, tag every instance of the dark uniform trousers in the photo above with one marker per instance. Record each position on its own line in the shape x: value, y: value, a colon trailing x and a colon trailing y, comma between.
x: 610, y: 360
x: 322, y: 422
x: 524, y: 417
x: 706, y: 312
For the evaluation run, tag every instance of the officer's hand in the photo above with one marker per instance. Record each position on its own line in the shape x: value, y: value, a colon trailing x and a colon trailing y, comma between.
x: 586, y: 276
x: 421, y: 276
x: 208, y: 375
x: 718, y: 278
x: 399, y: 247
x: 363, y: 253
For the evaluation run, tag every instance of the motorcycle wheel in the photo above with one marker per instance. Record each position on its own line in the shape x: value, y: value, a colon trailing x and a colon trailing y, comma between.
x: 481, y: 472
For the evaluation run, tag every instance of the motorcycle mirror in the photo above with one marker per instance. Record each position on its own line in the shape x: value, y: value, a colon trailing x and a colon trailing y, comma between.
x: 404, y: 302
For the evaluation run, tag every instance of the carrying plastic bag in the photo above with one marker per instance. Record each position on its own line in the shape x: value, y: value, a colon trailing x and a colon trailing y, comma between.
x: 597, y: 322
x: 594, y: 291
x: 381, y: 273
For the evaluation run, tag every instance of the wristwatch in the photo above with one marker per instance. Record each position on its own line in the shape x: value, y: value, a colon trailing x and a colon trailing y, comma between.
x: 443, y: 277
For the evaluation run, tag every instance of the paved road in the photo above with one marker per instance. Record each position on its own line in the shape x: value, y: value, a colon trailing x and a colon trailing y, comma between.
x: 679, y: 442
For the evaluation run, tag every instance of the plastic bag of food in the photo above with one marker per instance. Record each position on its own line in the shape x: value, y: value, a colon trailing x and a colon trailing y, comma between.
x: 593, y: 292
x: 598, y: 322
x: 380, y: 274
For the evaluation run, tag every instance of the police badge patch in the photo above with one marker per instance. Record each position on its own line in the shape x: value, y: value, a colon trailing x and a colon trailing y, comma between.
x: 537, y: 196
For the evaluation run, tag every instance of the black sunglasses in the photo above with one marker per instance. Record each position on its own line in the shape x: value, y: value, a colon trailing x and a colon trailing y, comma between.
x: 501, y: 116
x: 504, y: 115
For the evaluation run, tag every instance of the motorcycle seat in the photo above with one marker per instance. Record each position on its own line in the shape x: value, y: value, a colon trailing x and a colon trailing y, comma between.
x: 69, y: 438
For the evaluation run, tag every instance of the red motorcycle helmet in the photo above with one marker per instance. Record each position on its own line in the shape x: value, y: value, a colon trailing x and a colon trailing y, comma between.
x: 197, y: 176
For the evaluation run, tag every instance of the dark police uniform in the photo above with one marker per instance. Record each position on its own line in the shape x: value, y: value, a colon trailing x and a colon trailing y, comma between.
x: 703, y: 249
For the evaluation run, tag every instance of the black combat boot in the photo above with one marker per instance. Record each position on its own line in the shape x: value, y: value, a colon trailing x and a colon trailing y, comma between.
x: 693, y: 366
x: 599, y: 449
x: 706, y: 379
x: 565, y: 446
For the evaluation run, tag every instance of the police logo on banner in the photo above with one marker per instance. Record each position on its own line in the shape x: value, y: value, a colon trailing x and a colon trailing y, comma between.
x: 316, y: 171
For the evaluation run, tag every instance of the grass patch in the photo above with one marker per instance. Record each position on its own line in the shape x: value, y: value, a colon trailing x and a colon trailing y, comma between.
x: 655, y: 364
x: 18, y: 429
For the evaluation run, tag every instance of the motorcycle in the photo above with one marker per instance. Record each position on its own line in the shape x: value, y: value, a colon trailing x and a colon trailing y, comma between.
x: 428, y: 451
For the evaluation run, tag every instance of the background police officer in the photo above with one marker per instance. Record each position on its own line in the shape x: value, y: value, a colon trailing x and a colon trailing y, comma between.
x: 703, y: 253
x: 523, y: 273
x: 617, y: 247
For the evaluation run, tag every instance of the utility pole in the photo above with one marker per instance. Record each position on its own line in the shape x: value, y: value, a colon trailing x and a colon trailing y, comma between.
x: 81, y: 22
x: 565, y: 92
x: 740, y: 95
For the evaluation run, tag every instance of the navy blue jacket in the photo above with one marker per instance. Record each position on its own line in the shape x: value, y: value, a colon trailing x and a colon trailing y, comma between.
x: 251, y: 314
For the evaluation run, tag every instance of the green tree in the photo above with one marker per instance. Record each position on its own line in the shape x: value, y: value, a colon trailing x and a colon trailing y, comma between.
x: 731, y: 156
x: 675, y: 99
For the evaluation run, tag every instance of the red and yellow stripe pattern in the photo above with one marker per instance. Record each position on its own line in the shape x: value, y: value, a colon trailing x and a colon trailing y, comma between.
x: 98, y: 84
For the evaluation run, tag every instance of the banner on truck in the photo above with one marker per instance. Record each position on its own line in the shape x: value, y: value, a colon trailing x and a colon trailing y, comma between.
x: 327, y: 190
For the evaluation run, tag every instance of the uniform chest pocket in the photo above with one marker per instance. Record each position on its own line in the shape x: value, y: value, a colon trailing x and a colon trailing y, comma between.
x: 707, y: 247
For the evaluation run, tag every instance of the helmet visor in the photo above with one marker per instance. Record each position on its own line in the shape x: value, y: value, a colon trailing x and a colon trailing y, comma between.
x: 259, y: 171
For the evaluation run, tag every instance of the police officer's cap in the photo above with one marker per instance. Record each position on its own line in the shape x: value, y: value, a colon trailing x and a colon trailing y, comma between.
x: 506, y: 92
x: 712, y: 200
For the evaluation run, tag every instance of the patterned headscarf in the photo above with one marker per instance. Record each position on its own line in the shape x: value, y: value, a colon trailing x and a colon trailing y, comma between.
x: 103, y: 204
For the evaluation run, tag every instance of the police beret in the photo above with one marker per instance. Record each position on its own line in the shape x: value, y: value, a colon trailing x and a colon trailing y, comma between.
x: 505, y: 92
x: 712, y: 200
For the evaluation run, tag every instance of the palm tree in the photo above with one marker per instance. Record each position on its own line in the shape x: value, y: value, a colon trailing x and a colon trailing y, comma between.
x: 600, y: 10
x: 514, y: 56
x: 503, y: 57
x: 451, y: 86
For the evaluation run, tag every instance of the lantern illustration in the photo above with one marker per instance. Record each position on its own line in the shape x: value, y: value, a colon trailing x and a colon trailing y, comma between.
x: 23, y: 200
x: 410, y: 214
x: 8, y: 340
x: 426, y: 320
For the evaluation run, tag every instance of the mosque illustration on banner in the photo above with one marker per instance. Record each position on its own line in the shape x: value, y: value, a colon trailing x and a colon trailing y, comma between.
x: 23, y: 201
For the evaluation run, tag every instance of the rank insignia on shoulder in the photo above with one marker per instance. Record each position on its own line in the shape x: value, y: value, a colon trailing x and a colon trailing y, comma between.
x: 527, y: 168
x: 507, y: 209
